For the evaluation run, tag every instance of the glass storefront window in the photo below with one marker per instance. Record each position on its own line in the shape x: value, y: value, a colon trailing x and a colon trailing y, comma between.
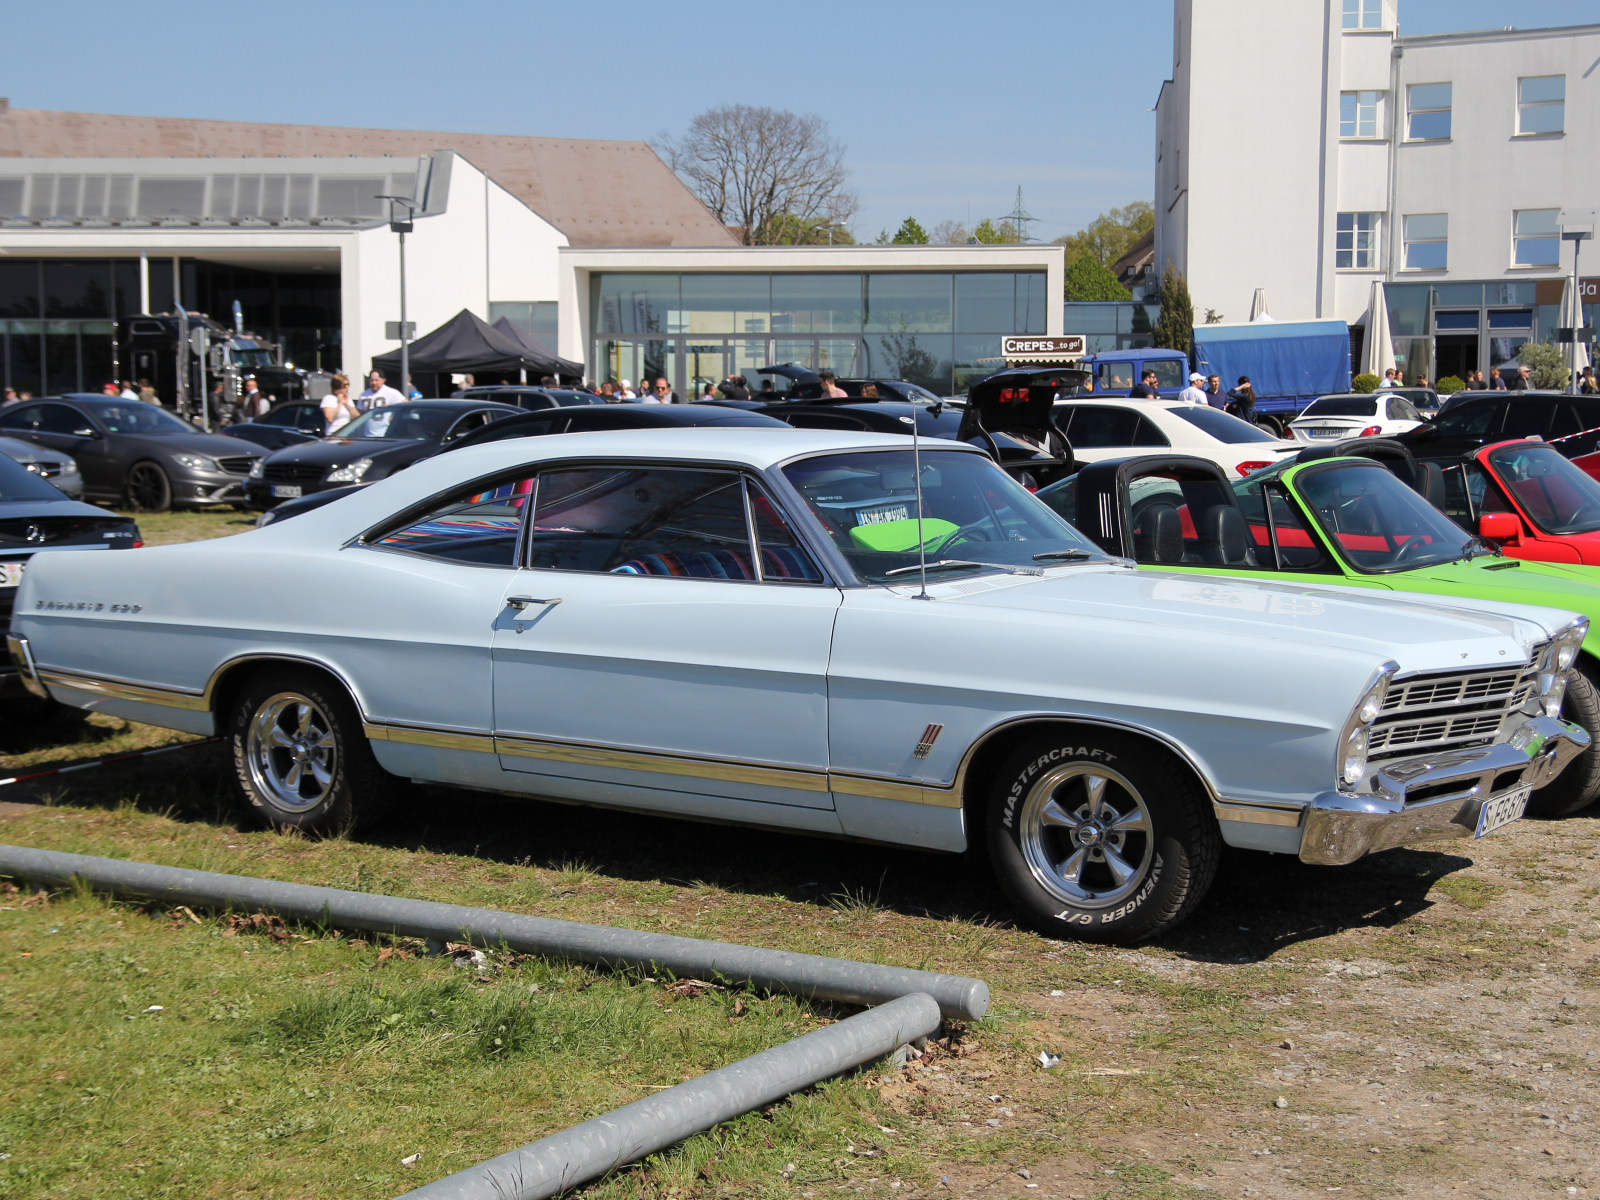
x: 1458, y: 294
x: 1408, y: 309
x: 1031, y: 303
x: 77, y: 289
x: 908, y: 303
x: 1503, y: 350
x: 966, y: 362
x: 1512, y: 318
x: 985, y: 302
x: 19, y: 289
x: 24, y: 356
x: 1511, y: 293
x: 917, y: 357
x: 726, y: 303
x: 816, y: 303
x: 638, y: 304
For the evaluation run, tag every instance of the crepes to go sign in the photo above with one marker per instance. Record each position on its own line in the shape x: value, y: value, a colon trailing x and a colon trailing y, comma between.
x: 1070, y: 346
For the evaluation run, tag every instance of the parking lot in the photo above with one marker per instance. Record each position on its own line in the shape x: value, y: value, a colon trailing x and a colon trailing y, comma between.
x: 1421, y: 1023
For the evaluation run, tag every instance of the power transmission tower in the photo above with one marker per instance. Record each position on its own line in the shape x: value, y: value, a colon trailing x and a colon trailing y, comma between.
x: 1021, y: 218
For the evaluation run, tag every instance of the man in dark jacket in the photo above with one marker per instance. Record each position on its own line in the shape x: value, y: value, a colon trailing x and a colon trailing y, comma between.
x: 1520, y: 381
x: 733, y: 388
x: 1145, y: 389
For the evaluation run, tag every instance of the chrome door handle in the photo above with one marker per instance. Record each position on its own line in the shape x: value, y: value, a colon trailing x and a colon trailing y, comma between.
x: 521, y: 602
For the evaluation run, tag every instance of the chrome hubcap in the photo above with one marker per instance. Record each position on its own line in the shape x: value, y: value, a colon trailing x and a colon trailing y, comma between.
x: 291, y: 752
x: 1085, y: 832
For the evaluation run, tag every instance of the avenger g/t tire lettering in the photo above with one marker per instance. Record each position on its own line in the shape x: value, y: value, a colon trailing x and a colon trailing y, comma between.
x: 300, y: 756
x: 1100, y: 836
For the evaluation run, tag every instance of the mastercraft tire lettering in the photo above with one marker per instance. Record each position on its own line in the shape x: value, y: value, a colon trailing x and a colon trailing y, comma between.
x: 1100, y: 836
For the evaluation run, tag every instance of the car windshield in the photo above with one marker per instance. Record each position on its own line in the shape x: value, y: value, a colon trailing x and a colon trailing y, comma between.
x: 1342, y: 406
x: 139, y: 418
x: 1557, y: 496
x: 19, y: 483
x: 1377, y: 522
x: 1225, y: 427
x: 400, y: 424
x: 972, y: 512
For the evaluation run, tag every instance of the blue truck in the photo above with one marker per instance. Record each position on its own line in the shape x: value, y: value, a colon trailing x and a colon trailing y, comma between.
x: 1290, y: 364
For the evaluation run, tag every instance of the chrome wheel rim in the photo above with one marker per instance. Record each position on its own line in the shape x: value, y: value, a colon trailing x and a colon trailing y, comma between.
x: 291, y: 752
x: 1086, y: 834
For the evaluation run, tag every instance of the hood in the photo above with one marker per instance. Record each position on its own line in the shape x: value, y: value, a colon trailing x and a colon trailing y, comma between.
x: 1421, y: 633
x: 1557, y: 585
x: 15, y: 448
x: 21, y: 510
x: 336, y: 451
x: 213, y: 445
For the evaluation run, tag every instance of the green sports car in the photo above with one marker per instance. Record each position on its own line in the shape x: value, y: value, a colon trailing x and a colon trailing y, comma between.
x: 1352, y: 522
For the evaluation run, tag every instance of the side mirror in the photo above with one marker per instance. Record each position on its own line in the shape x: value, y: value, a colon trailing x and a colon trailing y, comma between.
x: 88, y: 433
x: 1499, y: 527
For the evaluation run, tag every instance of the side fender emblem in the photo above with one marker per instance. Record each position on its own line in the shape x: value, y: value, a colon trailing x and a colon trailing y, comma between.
x: 930, y: 735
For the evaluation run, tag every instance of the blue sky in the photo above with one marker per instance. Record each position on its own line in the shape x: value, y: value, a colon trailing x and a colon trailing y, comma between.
x: 946, y: 108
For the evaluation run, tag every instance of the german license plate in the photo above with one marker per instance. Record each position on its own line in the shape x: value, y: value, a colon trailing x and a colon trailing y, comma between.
x: 1502, y: 810
x: 11, y: 573
x: 877, y: 516
x: 285, y: 491
x: 1324, y: 432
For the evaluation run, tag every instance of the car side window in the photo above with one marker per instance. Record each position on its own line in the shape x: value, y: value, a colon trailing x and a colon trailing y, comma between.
x: 1114, y: 377
x: 309, y: 419
x: 1146, y: 433
x: 627, y: 520
x: 21, y: 416
x: 1091, y: 426
x: 1169, y: 372
x: 1469, y: 493
x: 1584, y: 435
x: 1400, y: 409
x: 783, y: 558
x: 1471, y: 420
x: 1525, y: 417
x: 465, y: 425
x: 1297, y: 547
x: 478, y: 526
x: 60, y: 418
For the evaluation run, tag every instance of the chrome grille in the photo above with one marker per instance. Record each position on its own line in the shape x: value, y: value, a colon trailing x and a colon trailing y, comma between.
x: 293, y: 473
x: 237, y: 465
x: 1432, y: 712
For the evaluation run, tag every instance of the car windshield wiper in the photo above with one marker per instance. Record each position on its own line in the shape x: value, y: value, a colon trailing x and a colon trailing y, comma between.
x: 1059, y: 555
x: 948, y: 563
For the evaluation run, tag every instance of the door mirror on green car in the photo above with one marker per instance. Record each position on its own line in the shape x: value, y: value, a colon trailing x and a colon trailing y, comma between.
x: 1499, y: 527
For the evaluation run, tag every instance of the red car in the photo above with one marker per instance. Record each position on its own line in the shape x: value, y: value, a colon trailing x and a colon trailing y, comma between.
x: 1529, y: 500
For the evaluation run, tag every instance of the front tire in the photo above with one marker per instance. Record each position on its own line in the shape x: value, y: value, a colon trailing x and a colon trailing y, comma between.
x: 1579, y: 785
x: 148, y: 488
x: 300, y: 756
x: 1100, y: 836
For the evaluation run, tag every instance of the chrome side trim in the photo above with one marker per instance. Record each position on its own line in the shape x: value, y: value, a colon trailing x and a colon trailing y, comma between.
x: 659, y: 763
x: 909, y: 791
x: 1257, y: 814
x: 22, y: 655
x: 439, y: 739
x: 116, y: 689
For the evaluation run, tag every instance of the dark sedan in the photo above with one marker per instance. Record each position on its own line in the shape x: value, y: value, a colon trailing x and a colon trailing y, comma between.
x: 286, y: 425
x: 867, y: 416
x: 35, y: 517
x: 134, y: 453
x: 372, y: 447
x: 534, y: 399
x: 576, y: 420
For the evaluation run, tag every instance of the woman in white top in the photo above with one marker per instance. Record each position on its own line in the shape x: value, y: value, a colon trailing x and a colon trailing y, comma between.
x: 338, y: 410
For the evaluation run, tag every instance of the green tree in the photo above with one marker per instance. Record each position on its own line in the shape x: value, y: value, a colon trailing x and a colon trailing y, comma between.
x: 910, y: 233
x: 1549, y: 371
x: 990, y: 234
x: 1112, y: 234
x: 1087, y: 279
x: 786, y: 229
x: 1175, y: 329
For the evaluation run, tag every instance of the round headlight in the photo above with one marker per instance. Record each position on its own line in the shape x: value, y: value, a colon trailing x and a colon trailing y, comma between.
x: 1355, y: 756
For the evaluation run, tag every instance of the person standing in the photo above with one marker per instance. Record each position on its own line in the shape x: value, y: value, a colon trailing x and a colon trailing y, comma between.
x: 1587, y: 386
x: 733, y: 388
x: 254, y: 402
x: 378, y: 394
x: 1388, y: 378
x: 1244, y: 400
x: 1496, y: 384
x: 338, y: 410
x: 830, y: 389
x: 9, y: 397
x: 148, y: 393
x: 127, y: 392
x: 625, y: 390
x: 1521, y: 381
x: 1475, y: 381
x: 1194, y: 393
x: 662, y: 393
x: 1145, y: 389
x: 1215, y: 396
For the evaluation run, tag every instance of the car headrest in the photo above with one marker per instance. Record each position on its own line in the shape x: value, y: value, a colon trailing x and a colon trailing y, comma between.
x: 1160, y: 536
x: 1225, y: 541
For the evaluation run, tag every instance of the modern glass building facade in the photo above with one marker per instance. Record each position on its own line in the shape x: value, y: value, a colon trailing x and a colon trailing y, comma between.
x: 1123, y: 325
x: 1444, y: 329
x: 929, y: 327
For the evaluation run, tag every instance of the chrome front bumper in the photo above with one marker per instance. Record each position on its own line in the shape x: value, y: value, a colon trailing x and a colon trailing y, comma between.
x: 1452, y: 789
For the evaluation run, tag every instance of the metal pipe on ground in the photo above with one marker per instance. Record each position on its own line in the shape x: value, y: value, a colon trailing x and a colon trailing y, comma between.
x: 565, y: 1159
x: 809, y: 975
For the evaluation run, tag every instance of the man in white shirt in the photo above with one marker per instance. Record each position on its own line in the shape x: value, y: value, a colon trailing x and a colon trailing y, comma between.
x: 377, y: 394
x: 1194, y: 393
x: 1389, y: 379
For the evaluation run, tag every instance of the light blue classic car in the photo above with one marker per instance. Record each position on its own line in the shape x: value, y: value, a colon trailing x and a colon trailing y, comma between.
x: 732, y: 624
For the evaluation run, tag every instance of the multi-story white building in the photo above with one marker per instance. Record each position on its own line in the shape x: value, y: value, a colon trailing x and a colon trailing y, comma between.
x: 1306, y: 148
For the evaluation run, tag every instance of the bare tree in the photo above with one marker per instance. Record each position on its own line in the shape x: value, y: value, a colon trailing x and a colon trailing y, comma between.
x: 771, y: 176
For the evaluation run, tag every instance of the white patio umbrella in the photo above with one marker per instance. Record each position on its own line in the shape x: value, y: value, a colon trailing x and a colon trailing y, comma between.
x: 1378, y: 353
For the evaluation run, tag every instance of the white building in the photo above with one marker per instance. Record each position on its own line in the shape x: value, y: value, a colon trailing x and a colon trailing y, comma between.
x: 1306, y: 148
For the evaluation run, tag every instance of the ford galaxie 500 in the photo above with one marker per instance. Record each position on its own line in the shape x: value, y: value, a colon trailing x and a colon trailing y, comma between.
x: 731, y: 624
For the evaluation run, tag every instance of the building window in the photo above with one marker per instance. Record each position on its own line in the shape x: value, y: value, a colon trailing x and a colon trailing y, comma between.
x: 1356, y: 242
x: 1428, y: 106
x: 1362, y: 14
x: 1358, y: 114
x: 1427, y: 242
x: 535, y: 318
x: 1542, y: 104
x: 1536, y: 242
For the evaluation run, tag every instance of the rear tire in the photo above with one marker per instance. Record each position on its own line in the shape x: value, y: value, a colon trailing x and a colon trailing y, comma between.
x: 1100, y: 836
x: 148, y: 488
x: 1579, y: 785
x: 300, y: 756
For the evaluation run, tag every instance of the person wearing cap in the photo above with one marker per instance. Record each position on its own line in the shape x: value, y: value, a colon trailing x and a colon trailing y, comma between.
x: 625, y: 392
x: 1194, y: 393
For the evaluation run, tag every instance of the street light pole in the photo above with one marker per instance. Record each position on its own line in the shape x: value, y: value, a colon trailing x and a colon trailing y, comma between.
x: 1577, y: 227
x: 403, y: 227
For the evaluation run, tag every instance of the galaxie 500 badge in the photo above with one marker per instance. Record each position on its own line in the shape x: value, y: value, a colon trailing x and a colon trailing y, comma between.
x: 85, y: 606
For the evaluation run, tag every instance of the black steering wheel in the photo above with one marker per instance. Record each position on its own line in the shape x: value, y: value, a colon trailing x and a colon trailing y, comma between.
x: 973, y: 532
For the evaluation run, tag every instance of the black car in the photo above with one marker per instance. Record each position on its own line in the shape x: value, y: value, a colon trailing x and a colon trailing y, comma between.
x: 372, y: 447
x: 135, y: 453
x: 806, y: 384
x: 36, y: 517
x: 1569, y: 423
x: 587, y: 419
x: 286, y: 425
x: 531, y: 398
x: 866, y: 416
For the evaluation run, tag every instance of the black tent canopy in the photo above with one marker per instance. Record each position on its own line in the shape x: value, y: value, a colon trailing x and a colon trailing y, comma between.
x: 533, y: 347
x: 466, y: 344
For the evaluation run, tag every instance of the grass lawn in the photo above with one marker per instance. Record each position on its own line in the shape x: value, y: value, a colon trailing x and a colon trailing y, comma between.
x: 1421, y: 1024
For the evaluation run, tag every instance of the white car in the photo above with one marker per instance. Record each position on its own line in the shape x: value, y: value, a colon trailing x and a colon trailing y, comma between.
x: 1117, y: 427
x: 1335, y: 418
